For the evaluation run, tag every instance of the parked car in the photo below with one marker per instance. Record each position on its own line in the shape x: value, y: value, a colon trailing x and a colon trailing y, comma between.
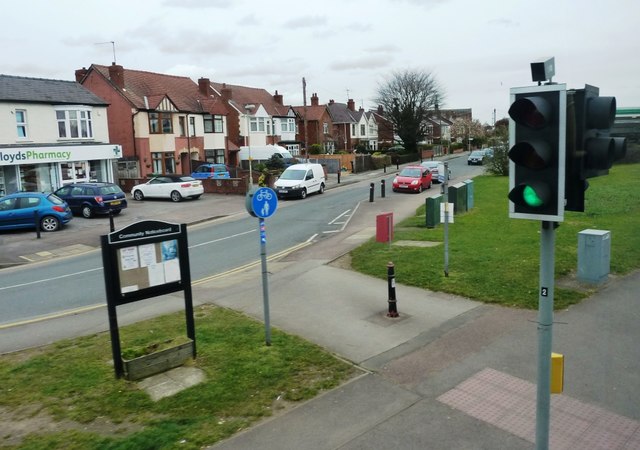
x: 476, y: 158
x: 90, y: 199
x: 18, y: 210
x: 206, y: 171
x: 299, y: 180
x: 435, y: 167
x: 174, y: 187
x: 412, y: 178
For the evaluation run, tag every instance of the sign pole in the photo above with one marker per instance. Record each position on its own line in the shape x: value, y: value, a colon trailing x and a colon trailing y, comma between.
x: 265, y: 280
x: 545, y: 332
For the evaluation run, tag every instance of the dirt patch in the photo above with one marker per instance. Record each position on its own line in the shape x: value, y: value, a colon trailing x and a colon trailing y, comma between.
x: 17, y: 425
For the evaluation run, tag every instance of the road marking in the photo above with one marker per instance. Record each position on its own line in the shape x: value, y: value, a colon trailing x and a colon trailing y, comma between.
x: 346, y: 222
x: 222, y: 239
x: 49, y: 279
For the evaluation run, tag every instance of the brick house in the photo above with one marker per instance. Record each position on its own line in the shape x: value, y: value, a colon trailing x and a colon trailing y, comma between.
x: 165, y: 123
x: 258, y: 118
x: 319, y: 129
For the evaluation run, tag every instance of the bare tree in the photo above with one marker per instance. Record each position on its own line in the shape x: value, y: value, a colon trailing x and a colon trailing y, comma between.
x: 408, y: 98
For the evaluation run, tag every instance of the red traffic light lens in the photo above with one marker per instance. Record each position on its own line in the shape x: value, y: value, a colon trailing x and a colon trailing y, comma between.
x: 532, y: 112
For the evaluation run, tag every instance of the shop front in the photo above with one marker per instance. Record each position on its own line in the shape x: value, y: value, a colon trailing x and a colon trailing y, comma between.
x: 46, y: 168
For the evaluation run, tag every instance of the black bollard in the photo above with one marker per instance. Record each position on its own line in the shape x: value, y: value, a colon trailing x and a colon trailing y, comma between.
x: 371, y: 189
x: 111, y: 225
x: 391, y: 283
x: 382, y: 188
x: 384, y: 167
x: 353, y: 168
x: 339, y: 176
x: 36, y: 221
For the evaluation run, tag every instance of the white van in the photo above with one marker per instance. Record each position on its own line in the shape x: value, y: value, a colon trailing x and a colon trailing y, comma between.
x: 262, y: 153
x: 299, y: 180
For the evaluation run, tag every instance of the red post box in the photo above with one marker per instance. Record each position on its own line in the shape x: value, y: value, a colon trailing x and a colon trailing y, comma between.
x: 384, y: 227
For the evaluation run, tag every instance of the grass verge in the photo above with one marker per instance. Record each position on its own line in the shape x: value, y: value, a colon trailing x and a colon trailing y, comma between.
x: 496, y: 259
x: 67, y: 397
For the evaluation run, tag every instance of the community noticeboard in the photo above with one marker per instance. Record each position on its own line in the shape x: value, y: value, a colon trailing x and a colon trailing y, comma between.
x: 145, y: 259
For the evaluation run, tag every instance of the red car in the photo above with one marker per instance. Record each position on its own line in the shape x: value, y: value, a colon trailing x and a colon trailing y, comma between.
x: 412, y: 178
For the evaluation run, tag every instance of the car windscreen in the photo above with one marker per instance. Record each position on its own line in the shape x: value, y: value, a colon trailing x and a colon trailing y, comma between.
x: 410, y: 172
x: 54, y: 199
x: 477, y: 153
x: 294, y: 174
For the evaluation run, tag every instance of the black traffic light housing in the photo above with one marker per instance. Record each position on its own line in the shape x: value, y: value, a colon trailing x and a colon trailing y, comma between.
x: 591, y: 150
x: 537, y: 152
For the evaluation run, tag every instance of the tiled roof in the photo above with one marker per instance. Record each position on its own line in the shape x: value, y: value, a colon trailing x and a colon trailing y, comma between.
x: 313, y: 112
x: 182, y: 91
x: 340, y: 113
x: 40, y: 90
x: 243, y: 95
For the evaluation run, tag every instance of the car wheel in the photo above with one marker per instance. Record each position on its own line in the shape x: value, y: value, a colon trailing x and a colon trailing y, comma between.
x: 303, y: 194
x: 175, y: 196
x: 138, y: 195
x: 49, y: 223
x: 86, y: 211
x: 321, y: 191
x: 115, y: 212
x: 429, y: 185
x: 195, y: 197
x: 420, y: 189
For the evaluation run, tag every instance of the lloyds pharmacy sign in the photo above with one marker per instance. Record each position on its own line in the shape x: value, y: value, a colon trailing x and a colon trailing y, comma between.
x: 36, y: 155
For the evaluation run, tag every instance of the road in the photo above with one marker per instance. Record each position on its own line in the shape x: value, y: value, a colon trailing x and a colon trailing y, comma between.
x: 217, y: 247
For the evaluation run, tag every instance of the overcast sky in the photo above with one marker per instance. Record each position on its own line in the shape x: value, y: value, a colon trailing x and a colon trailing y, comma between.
x: 477, y: 49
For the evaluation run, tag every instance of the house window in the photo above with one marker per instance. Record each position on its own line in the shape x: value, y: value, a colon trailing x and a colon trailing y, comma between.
x: 362, y: 130
x: 208, y: 123
x: 192, y: 126
x: 163, y: 162
x: 325, y: 128
x: 258, y: 124
x: 160, y: 123
x: 183, y: 129
x: 21, y: 123
x: 288, y: 126
x: 214, y: 156
x: 353, y: 129
x: 74, y: 123
x: 218, y: 124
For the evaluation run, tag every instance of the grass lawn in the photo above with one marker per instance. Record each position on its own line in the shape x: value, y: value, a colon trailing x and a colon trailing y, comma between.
x: 496, y: 259
x: 65, y: 396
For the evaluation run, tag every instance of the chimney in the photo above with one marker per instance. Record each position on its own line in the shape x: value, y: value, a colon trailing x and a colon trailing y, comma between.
x: 116, y: 75
x: 331, y: 102
x: 314, y: 99
x: 80, y: 74
x: 278, y: 98
x: 351, y: 105
x: 203, y: 86
x: 225, y: 92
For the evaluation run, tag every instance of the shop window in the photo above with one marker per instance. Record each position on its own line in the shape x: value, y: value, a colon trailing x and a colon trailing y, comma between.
x: 21, y: 123
x: 74, y: 123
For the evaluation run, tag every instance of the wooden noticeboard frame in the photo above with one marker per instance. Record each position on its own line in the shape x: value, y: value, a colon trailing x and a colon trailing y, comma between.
x: 144, y: 260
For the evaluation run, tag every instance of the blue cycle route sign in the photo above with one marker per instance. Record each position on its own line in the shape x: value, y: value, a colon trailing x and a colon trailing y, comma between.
x: 264, y: 202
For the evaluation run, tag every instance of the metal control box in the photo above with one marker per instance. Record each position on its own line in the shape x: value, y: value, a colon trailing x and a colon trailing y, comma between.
x: 594, y: 255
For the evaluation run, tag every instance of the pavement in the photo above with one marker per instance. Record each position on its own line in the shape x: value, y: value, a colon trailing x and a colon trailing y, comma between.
x: 449, y: 372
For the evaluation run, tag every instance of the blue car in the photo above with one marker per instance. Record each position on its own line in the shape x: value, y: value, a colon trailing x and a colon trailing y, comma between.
x: 206, y: 171
x: 33, y: 209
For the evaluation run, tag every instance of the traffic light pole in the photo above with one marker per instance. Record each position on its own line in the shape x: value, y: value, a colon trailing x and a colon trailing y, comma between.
x: 545, y: 332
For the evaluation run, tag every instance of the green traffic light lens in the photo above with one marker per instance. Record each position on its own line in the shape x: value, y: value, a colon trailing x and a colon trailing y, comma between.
x: 531, y: 197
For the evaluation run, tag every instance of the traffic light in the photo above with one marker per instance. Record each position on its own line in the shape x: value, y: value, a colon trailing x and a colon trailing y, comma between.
x: 537, y: 153
x: 591, y: 150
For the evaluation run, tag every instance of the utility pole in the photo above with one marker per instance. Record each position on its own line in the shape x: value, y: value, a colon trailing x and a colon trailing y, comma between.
x: 304, y: 94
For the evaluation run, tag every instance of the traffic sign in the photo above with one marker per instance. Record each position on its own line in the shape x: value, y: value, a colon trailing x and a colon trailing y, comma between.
x: 264, y: 202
